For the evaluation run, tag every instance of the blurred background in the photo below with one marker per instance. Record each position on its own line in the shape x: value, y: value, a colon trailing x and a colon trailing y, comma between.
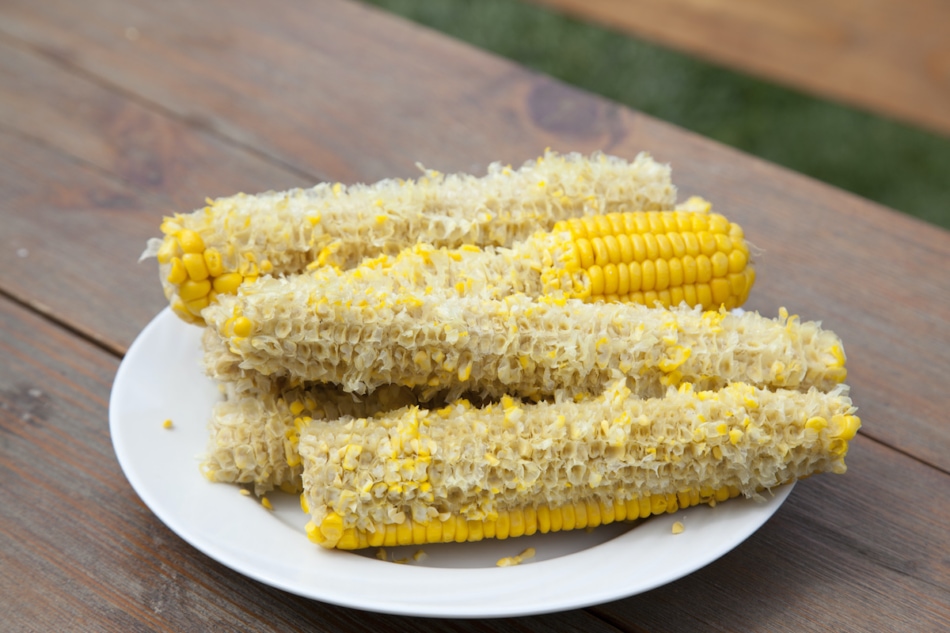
x: 855, y: 93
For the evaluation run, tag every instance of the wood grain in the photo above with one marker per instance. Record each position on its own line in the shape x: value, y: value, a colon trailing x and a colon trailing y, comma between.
x: 70, y: 242
x: 302, y: 82
x: 827, y: 560
x: 888, y: 56
x: 146, y: 149
x: 79, y: 550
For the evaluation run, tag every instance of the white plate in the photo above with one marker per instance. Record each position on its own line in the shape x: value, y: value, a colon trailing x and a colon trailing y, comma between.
x: 161, y: 379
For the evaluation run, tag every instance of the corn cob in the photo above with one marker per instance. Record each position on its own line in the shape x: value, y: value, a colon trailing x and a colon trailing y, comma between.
x: 232, y: 240
x: 309, y: 330
x: 420, y: 476
x: 253, y: 430
x: 630, y: 257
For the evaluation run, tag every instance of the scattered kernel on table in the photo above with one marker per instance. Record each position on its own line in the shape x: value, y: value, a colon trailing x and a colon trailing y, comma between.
x: 167, y: 424
x: 419, y: 555
x: 678, y: 527
x: 245, y: 492
x: 266, y: 503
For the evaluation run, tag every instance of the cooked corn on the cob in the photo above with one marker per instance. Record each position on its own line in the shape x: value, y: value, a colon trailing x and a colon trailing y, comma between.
x: 309, y: 330
x: 461, y: 474
x: 213, y: 250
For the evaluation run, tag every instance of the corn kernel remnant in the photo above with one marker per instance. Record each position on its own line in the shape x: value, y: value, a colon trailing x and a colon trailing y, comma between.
x: 511, y: 561
x: 678, y: 527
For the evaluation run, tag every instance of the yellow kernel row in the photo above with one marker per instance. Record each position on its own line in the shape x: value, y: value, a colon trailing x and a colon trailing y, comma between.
x: 622, y: 248
x: 646, y: 222
x: 509, y: 523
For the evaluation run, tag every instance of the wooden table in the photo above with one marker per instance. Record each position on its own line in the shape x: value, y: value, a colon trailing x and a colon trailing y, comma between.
x: 115, y: 113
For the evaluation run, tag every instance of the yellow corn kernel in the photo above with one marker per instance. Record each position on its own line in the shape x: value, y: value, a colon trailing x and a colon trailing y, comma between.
x: 648, y: 279
x: 228, y: 283
x: 195, y: 306
x: 213, y: 262
x: 177, y: 274
x: 190, y: 241
x: 195, y: 266
x: 586, y: 252
x: 191, y: 290
x: 242, y: 326
x: 166, y: 251
x: 720, y: 264
x: 662, y: 274
x: 597, y: 281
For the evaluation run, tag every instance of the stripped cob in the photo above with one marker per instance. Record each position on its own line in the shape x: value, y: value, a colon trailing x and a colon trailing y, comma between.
x: 232, y: 240
x: 253, y: 430
x: 460, y: 474
x: 442, y: 341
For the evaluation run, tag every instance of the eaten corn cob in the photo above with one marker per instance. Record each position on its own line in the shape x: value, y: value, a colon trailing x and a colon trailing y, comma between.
x: 213, y: 250
x: 253, y: 431
x: 421, y: 476
x: 666, y: 257
x: 442, y: 342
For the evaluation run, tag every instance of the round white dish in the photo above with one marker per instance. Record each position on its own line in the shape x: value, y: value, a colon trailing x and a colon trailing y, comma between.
x: 161, y: 378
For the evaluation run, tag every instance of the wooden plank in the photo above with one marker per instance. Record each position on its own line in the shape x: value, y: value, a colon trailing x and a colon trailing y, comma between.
x: 870, y: 274
x: 304, y: 83
x: 79, y: 550
x: 147, y: 149
x: 70, y: 241
x: 888, y: 56
x: 864, y: 551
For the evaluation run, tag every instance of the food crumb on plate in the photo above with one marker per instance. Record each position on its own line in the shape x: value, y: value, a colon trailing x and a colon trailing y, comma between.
x: 511, y: 561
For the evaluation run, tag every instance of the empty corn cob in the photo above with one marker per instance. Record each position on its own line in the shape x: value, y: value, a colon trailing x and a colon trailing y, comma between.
x: 213, y: 250
x: 460, y: 474
x: 253, y: 432
x: 517, y: 346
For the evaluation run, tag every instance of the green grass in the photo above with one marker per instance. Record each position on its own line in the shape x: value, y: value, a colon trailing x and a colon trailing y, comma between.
x: 892, y: 163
